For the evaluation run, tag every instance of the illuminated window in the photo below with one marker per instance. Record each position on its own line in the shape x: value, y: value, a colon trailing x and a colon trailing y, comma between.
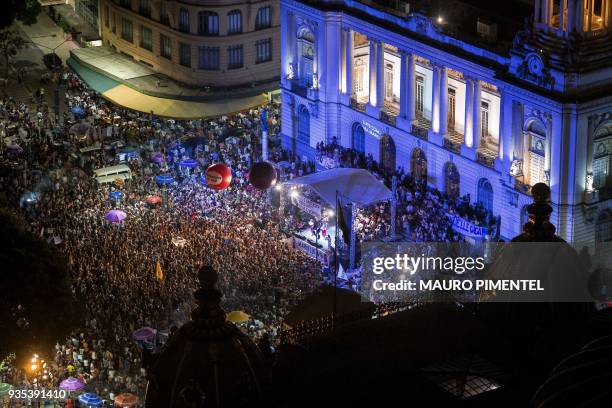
x: 234, y: 55
x: 208, y: 23
x: 420, y: 96
x: 263, y: 20
x: 452, y: 103
x: 234, y: 22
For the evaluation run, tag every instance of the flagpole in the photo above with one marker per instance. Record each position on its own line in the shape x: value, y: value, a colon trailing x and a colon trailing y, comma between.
x: 335, y: 261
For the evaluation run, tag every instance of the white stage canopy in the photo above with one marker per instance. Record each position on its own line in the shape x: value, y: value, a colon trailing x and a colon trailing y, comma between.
x: 358, y: 185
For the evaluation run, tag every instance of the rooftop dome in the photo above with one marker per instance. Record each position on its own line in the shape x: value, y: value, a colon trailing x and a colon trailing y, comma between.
x: 207, y: 362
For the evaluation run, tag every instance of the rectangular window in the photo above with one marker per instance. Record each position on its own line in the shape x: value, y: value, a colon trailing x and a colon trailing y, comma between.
x: 452, y: 105
x: 536, y: 168
x: 484, y: 122
x: 263, y: 50
x: 185, y: 57
x: 165, y: 47
x: 234, y: 22
x: 106, y: 16
x: 126, y: 3
x: 146, y: 38
x: 145, y: 8
x: 126, y: 30
x: 114, y: 29
x: 262, y: 20
x: 209, y: 58
x: 234, y: 54
x: 184, y: 20
x: 601, y: 171
x: 420, y: 93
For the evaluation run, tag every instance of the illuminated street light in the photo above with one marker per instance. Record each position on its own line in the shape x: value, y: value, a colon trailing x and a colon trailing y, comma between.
x: 294, y: 194
x: 440, y: 20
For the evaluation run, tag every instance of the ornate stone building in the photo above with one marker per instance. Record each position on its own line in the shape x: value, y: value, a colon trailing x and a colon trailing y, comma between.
x: 198, y: 42
x: 479, y: 102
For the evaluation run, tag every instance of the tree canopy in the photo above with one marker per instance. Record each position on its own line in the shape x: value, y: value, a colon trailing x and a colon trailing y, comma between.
x: 36, y: 301
x: 25, y: 11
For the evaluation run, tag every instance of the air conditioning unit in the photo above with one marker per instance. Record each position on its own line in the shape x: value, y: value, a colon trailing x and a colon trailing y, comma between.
x: 487, y: 30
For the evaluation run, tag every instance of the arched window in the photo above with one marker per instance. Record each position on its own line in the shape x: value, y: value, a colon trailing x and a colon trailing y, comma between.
x: 303, y: 133
x: 234, y: 22
x: 184, y: 20
x: 452, y: 181
x: 485, y: 194
x: 418, y: 165
x: 307, y: 56
x: 358, y: 138
x: 535, y: 138
x: 263, y: 18
x: 602, y: 160
x: 603, y: 232
x: 387, y: 154
x: 208, y: 23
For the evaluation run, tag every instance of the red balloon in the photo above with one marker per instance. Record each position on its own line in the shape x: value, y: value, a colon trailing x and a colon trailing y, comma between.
x: 218, y: 176
x: 263, y: 175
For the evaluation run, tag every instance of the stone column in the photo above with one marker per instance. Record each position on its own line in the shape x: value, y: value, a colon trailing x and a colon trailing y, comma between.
x: 571, y: 16
x: 435, y: 103
x: 380, y: 74
x: 403, y: 83
x: 469, y: 110
x: 348, y: 64
x: 443, y: 101
x: 372, y: 68
x: 590, y: 16
x: 410, y: 81
x: 561, y: 14
x: 476, y: 116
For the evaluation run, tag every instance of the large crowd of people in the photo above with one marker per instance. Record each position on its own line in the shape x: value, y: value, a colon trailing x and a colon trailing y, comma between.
x: 114, y: 266
x: 142, y: 271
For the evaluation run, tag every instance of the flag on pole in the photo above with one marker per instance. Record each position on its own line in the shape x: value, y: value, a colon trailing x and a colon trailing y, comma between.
x: 158, y: 272
x: 342, y: 223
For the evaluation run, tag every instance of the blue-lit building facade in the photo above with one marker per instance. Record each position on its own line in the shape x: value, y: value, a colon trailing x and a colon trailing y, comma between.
x: 468, y: 115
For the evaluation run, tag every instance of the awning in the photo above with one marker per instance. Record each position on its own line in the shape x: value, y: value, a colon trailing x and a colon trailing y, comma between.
x: 357, y: 185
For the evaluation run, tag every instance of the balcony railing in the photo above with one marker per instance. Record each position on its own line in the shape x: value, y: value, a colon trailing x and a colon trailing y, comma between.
x: 388, y: 118
x: 486, y: 158
x: 419, y: 131
x: 358, y: 106
x: 452, y: 145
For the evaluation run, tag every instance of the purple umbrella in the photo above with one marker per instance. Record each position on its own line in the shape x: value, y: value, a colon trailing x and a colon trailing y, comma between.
x: 71, y: 384
x: 144, y: 334
x: 157, y: 158
x: 14, y: 147
x: 115, y: 216
x: 190, y: 163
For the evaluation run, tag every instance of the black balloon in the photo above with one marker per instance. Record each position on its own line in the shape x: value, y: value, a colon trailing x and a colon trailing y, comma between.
x: 263, y: 175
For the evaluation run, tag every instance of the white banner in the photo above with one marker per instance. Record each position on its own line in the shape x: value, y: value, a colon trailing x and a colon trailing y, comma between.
x: 307, y: 205
x: 311, y: 250
x: 465, y: 227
